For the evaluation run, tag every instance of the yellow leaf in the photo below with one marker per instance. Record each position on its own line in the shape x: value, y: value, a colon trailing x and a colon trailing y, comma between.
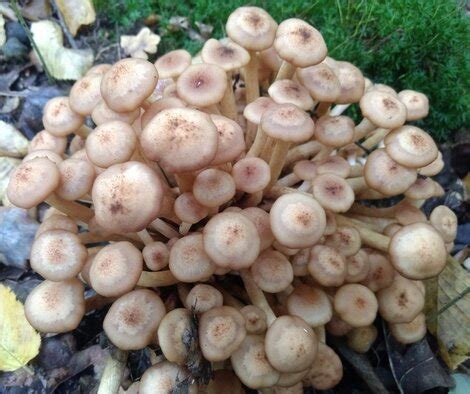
x: 12, y: 142
x: 139, y: 45
x: 3, y: 37
x: 76, y: 13
x: 7, y: 165
x: 19, y: 342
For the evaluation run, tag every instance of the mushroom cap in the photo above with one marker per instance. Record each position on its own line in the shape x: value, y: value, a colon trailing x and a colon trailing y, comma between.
x: 111, y: 143
x: 327, y: 370
x: 272, y: 272
x: 417, y: 251
x: 158, y: 106
x: 297, y: 220
x: 383, y: 109
x: 202, y: 298
x: 300, y: 262
x: 202, y: 84
x: 47, y: 141
x: 76, y: 179
x: 305, y: 170
x: 164, y: 377
x: 103, y: 114
x: 311, y: 304
x: 260, y: 219
x: 333, y: 192
x: 299, y: 43
x: 334, y: 131
x: 99, y: 69
x: 251, y: 174
x: 411, y: 147
x: 156, y: 256
x: 57, y: 222
x: 227, y: 54
x: 255, y: 110
x: 116, y: 269
x: 180, y: 139
x: 55, y: 307
x: 59, y: 119
x: 327, y: 266
x: 391, y: 229
x: 127, y: 197
x: 400, y: 302
x: 287, y: 122
x: 291, y: 382
x: 173, y: 63
x: 58, y: 255
x: 252, y: 28
x: 351, y: 81
x: 48, y: 154
x: 173, y: 328
x: 189, y: 262
x: 231, y: 240
x: 231, y: 140
x: 251, y: 365
x: 422, y: 189
x: 357, y: 267
x: 386, y: 176
x: 337, y: 327
x: 213, y: 187
x: 381, y: 272
x: 346, y: 239
x: 133, y: 319
x: 433, y: 168
x: 85, y: 94
x: 255, y: 319
x: 290, y: 344
x: 361, y: 339
x: 321, y: 82
x: 356, y: 305
x: 333, y: 165
x: 127, y: 84
x: 406, y: 213
x: 269, y: 59
x: 411, y: 332
x: 32, y: 182
x: 188, y: 209
x: 221, y: 331
x: 286, y: 91
x: 416, y: 103
x: 444, y: 220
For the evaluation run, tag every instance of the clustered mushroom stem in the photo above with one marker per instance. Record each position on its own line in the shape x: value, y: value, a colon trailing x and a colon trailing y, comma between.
x: 256, y: 296
x: 339, y: 109
x: 145, y: 237
x: 96, y: 302
x: 286, y: 71
x: 268, y: 149
x: 90, y: 238
x: 165, y: 229
x: 185, y: 181
x: 70, y: 208
x: 277, y: 161
x: 113, y: 372
x: 375, y: 138
x: 323, y: 108
x: 228, y: 105
x: 258, y: 143
x: 357, y: 184
x: 250, y: 133
x: 288, y: 180
x: 302, y: 152
x: 84, y: 131
x: 363, y: 128
x: 251, y: 78
x: 157, y: 279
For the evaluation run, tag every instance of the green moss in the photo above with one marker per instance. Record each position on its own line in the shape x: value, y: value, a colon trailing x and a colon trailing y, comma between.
x: 415, y: 44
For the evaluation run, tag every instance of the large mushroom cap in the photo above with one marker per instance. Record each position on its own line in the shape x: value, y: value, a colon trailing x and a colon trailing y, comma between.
x: 272, y: 272
x: 351, y: 81
x: 227, y: 55
x: 164, y: 377
x: 127, y: 197
x: 76, y: 179
x: 383, y: 109
x: 417, y: 104
x: 173, y: 63
x: 356, y: 305
x: 231, y: 140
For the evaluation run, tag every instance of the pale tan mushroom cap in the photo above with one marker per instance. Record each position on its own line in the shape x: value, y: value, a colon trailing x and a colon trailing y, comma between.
x: 181, y: 139
x: 252, y: 28
x: 127, y: 197
x: 334, y: 131
x: 444, y: 220
x: 76, y: 179
x: 59, y: 119
x: 357, y: 267
x: 381, y: 272
x: 327, y: 369
x: 99, y: 69
x: 305, y: 170
x: 251, y: 174
x: 255, y: 110
x: 321, y: 82
x: 171, y: 331
x: 156, y: 255
x: 356, y: 305
x: 48, y: 154
x: 327, y: 266
x: 286, y: 91
x: 85, y: 94
x: 188, y: 209
x: 336, y: 165
x: 411, y: 332
x: 311, y: 304
x: 163, y: 378
x: 260, y: 219
x: 128, y: 83
x: 173, y: 63
x: 103, y: 114
x: 213, y: 187
x: 158, y: 106
x: 202, y: 298
x: 422, y: 189
x: 272, y: 272
x: 57, y: 222
x: 351, y: 81
x: 299, y: 43
x: 231, y: 140
x: 255, y: 319
x: 332, y: 192
x: 228, y: 55
x: 417, y: 104
x: 383, y: 109
x: 47, y: 141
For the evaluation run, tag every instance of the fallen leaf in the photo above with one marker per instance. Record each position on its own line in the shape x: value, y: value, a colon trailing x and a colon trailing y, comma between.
x: 76, y: 13
x: 19, y: 342
x: 7, y: 165
x: 63, y: 63
x: 139, y: 45
x: 3, y: 36
x: 6, y: 11
x: 12, y: 142
x: 36, y: 10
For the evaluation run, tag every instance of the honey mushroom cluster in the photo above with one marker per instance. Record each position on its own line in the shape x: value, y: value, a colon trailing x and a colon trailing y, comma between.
x: 217, y: 204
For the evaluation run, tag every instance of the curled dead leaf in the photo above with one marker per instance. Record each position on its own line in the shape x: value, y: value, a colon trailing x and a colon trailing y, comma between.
x: 77, y: 13
x: 139, y: 45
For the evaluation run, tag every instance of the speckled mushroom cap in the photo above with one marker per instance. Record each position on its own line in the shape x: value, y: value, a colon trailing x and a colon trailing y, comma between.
x: 47, y: 141
x: 357, y: 267
x: 158, y: 106
x: 422, y: 189
x: 411, y: 332
x: 133, y: 319
x: 327, y: 266
x: 59, y: 119
x: 444, y: 220
x: 351, y: 81
x: 345, y: 239
x: 327, y: 369
x: 32, y: 182
x: 287, y: 122
x: 170, y: 334
x: 127, y: 84
x: 57, y: 222
x: 383, y: 109
x: 156, y: 255
x: 202, y: 298
x: 103, y: 114
x: 173, y: 63
x: 127, y: 197
x: 417, y: 251
x: 411, y: 147
x: 76, y: 179
x: 252, y: 28
x: 333, y: 165
x: 299, y: 43
x: 255, y: 110
x: 56, y: 307
x: 321, y: 82
x: 180, y: 139
x: 260, y: 219
x: 334, y: 131
x: 297, y: 220
x: 213, y: 187
x: 356, y: 305
x: 227, y: 54
x: 416, y: 103
x: 272, y: 272
x: 188, y: 209
x: 164, y: 377
x: 286, y: 91
x: 85, y: 94
x: 251, y: 174
x: 381, y: 272
x: 311, y: 304
x: 332, y: 192
x: 231, y: 140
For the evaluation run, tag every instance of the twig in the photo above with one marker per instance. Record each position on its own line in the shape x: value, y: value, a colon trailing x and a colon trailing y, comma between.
x: 452, y: 302
x: 112, y: 374
x: 23, y: 93
x: 104, y: 49
x: 65, y: 29
x: 13, y: 4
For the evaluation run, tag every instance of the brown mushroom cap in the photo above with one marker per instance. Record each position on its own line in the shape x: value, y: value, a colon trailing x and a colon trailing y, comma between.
x: 411, y: 147
x: 290, y: 344
x: 305, y: 170
x: 174, y: 326
x: 417, y: 104
x: 58, y: 255
x: 164, y: 377
x: 383, y: 109
x: 334, y: 131
x: 221, y: 331
x: 99, y: 69
x: 31, y: 182
x: 56, y: 307
x: 52, y: 156
x: 417, y: 251
x: 327, y: 370
x: 336, y: 165
x: 433, y: 168
x: 59, y: 119
x: 127, y: 84
x: 361, y: 339
x: 381, y: 272
x: 158, y: 106
x: 202, y: 298
x: 47, y: 141
x: 231, y: 140
x: 321, y: 82
x: 422, y: 189
x: 332, y: 192
x: 356, y: 305
x: 351, y: 81
x: 327, y: 266
x: 252, y: 28
x: 227, y: 54
x: 311, y: 304
x: 346, y: 239
x: 300, y: 262
x: 116, y: 269
x: 133, y: 319
x: 231, y: 240
x: 251, y: 174
x: 286, y: 91
x: 127, y: 197
x: 407, y: 213
x: 255, y: 110
x: 357, y: 267
x: 103, y: 114
x: 76, y: 179
x: 57, y: 222
x: 444, y: 220
x: 411, y: 332
x: 251, y: 365
x: 180, y: 139
x: 213, y: 187
x: 156, y: 256
x: 272, y: 272
x: 255, y: 319
x: 299, y: 43
x: 173, y: 63
x: 188, y: 209
x: 85, y: 94
x: 297, y: 220
x: 260, y: 219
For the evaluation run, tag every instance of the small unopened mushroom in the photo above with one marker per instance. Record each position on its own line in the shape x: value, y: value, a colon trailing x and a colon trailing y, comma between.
x: 76, y: 179
x: 156, y: 256
x: 164, y: 377
x: 172, y: 331
x: 85, y: 94
x: 327, y: 266
x: 55, y: 307
x: 361, y: 339
x: 334, y: 131
x: 287, y: 91
x: 327, y: 370
x: 251, y: 174
x: 103, y: 114
x: 255, y: 319
x: 444, y: 220
x: 213, y: 187
x: 260, y: 219
x: 272, y: 272
x: 202, y: 298
x: 57, y: 222
x: 411, y: 332
x: 357, y: 267
x: 173, y: 63
x: 47, y: 141
x: 356, y: 305
x: 221, y: 331
x: 417, y: 104
x: 381, y: 272
x: 332, y: 192
x: 59, y: 119
x: 133, y: 319
x: 311, y: 304
x: 346, y: 239
x: 231, y: 141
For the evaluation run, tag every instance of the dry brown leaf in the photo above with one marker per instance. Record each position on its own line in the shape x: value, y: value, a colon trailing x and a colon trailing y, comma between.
x: 36, y: 10
x: 77, y: 13
x: 12, y: 142
x: 139, y: 45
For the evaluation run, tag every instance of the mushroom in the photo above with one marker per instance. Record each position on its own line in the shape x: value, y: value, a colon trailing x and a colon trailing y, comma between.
x: 357, y: 267
x: 272, y: 272
x: 410, y: 332
x: 255, y: 319
x: 57, y: 222
x: 164, y: 377
x: 202, y: 298
x: 260, y: 219
x: 334, y: 132
x: 327, y: 370
x: 251, y: 174
x: 253, y: 112
x: 213, y: 187
x: 346, y: 239
x: 356, y: 305
x: 361, y: 339
x: 285, y: 91
x: 158, y: 106
x: 444, y: 220
x: 189, y: 210
x: 381, y: 272
x: 352, y: 82
x: 332, y: 192
x: 60, y: 120
x: 173, y: 63
x: 416, y: 103
x: 327, y: 266
x: 47, y: 141
x: 156, y: 255
x: 172, y: 332
x: 311, y: 304
x: 231, y: 141
x: 76, y: 179
x: 85, y: 94
x: 103, y: 114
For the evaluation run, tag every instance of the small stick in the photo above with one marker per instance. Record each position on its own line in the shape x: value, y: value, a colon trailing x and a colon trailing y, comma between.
x: 66, y: 30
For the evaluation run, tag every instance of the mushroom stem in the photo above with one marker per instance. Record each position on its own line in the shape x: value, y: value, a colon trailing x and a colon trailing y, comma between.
x: 357, y: 184
x: 302, y: 152
x: 268, y: 149
x: 229, y: 299
x: 252, y: 200
x: 113, y: 371
x: 339, y: 109
x: 369, y: 194
x: 4, y: 153
x: 376, y: 224
x: 288, y: 180
x: 277, y: 161
x: 91, y: 238
x: 323, y: 108
x: 96, y: 302
x: 84, y: 131
x: 256, y: 296
x: 184, y: 228
x: 375, y: 138
x: 165, y: 229
x: 363, y: 128
x: 228, y: 105
x: 324, y: 153
x: 145, y: 237
x: 185, y: 181
x: 278, y: 191
x: 251, y: 78
x: 356, y: 170
x: 286, y: 71
x: 250, y: 133
x: 70, y: 208
x: 258, y: 143
x: 157, y: 279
